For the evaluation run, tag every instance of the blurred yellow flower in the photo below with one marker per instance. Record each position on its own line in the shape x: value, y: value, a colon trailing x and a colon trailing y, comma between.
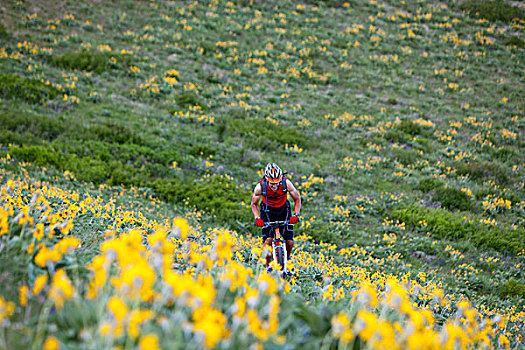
x: 138, y: 317
x: 61, y: 288
x: 366, y: 324
x: 180, y: 227
x: 23, y: 292
x: 118, y: 308
x: 341, y: 327
x: 40, y: 282
x: 149, y: 342
x: 51, y: 343
x: 6, y: 309
x: 211, y: 323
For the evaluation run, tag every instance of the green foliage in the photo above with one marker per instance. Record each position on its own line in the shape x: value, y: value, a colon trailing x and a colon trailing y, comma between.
x: 39, y: 155
x: 24, y: 128
x: 406, y: 156
x: 404, y: 131
x: 217, y: 195
x: 186, y: 99
x: 452, y: 198
x: 106, y: 152
x: 396, y: 136
x: 4, y: 34
x: 455, y: 226
x: 513, y: 40
x: 392, y: 101
x: 322, y: 231
x: 91, y: 61
x: 202, y: 151
x: 428, y: 184
x: 410, y: 128
x: 493, y: 10
x: 512, y: 288
x: 27, y: 89
x: 480, y: 171
x: 265, y: 135
x: 113, y: 132
x: 506, y: 154
x: 326, y: 3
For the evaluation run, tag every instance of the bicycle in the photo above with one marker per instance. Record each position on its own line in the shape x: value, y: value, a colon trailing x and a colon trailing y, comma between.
x: 278, y: 245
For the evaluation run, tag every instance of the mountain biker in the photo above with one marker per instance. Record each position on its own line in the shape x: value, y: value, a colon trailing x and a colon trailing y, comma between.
x: 273, y: 189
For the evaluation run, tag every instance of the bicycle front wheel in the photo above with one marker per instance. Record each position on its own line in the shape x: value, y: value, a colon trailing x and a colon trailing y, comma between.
x: 279, y: 254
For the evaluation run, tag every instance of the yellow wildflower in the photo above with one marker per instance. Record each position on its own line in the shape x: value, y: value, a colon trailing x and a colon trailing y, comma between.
x: 45, y: 256
x: 39, y: 231
x: 23, y: 292
x: 149, y: 342
x: 61, y: 288
x: 6, y: 309
x: 211, y: 323
x: 118, y: 308
x: 40, y: 282
x: 138, y: 317
x: 340, y: 327
x: 51, y: 343
x: 366, y: 324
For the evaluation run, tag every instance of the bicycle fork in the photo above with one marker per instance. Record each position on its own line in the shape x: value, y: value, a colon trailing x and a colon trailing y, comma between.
x: 279, y: 242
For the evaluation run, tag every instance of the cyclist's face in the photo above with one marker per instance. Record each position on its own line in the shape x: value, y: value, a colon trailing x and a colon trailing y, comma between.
x: 273, y: 186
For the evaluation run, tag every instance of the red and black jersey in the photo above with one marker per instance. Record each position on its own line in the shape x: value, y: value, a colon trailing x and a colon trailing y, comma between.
x: 275, y: 199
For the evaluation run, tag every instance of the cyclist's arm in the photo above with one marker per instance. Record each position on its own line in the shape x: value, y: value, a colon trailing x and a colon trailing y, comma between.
x: 295, y: 196
x: 257, y: 193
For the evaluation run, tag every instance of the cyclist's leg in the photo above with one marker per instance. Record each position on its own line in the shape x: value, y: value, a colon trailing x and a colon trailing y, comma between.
x: 267, y: 232
x: 289, y: 247
x: 288, y: 232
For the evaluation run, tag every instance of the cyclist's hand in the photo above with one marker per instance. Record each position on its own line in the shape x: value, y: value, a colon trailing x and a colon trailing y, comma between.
x: 259, y: 222
x: 294, y: 219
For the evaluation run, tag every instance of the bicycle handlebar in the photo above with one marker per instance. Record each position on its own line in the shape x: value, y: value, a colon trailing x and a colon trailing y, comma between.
x: 276, y: 223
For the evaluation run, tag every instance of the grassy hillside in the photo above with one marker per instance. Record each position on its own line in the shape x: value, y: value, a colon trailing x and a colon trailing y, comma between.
x: 401, y: 124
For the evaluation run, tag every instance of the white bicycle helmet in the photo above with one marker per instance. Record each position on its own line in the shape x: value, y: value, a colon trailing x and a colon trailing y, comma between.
x: 273, y: 173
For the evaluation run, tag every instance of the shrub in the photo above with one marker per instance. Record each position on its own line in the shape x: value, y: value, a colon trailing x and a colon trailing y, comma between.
x: 4, y: 35
x: 91, y: 61
x: 321, y: 231
x: 480, y: 171
x: 396, y: 136
x: 455, y: 226
x: 265, y: 135
x: 327, y: 3
x: 406, y: 156
x: 202, y: 151
x: 493, y: 10
x: 186, y: 99
x: 39, y: 155
x: 31, y: 126
x: 429, y: 184
x: 452, y: 198
x: 29, y: 90
x: 88, y: 169
x: 506, y: 154
x: 218, y: 196
x: 514, y: 41
x: 512, y: 288
x: 112, y: 132
x: 410, y: 128
x: 391, y: 101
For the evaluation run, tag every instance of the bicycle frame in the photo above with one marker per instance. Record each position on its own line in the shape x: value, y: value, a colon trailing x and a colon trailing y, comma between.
x: 277, y: 242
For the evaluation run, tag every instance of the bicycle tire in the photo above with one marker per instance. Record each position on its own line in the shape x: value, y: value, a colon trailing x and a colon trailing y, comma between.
x: 279, y: 254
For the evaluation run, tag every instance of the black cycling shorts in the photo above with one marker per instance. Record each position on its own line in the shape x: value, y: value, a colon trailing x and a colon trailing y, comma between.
x: 283, y: 213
